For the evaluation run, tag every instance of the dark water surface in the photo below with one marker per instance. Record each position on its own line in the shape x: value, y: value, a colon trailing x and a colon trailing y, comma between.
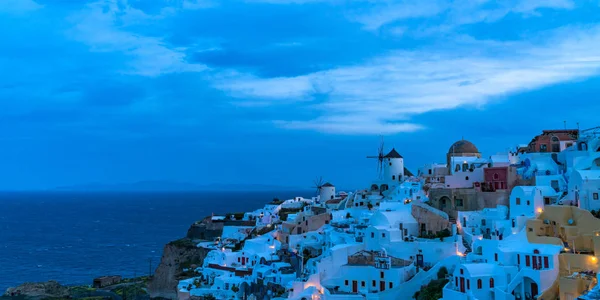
x: 73, y: 237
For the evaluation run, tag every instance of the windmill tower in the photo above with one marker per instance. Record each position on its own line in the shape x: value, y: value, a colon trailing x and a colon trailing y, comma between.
x: 393, y: 169
x: 326, y: 191
x: 380, y: 158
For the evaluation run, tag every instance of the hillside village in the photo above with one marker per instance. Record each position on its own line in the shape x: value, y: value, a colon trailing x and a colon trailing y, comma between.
x: 515, y: 225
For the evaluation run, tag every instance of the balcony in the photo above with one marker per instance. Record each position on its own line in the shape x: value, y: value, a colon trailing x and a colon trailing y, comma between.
x: 449, y: 292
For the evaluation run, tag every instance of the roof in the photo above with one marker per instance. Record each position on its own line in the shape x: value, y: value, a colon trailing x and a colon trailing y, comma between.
x: 327, y: 184
x: 393, y: 154
x: 463, y: 146
x: 478, y: 270
x: 408, y: 173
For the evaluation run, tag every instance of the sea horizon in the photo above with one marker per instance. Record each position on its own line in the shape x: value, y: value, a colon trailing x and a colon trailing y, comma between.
x: 75, y: 236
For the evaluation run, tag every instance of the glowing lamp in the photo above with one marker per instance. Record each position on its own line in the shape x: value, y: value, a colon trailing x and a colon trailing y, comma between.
x: 594, y: 259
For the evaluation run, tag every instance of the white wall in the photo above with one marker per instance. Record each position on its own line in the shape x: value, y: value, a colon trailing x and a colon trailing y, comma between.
x: 326, y: 193
x: 393, y: 170
x: 464, y: 179
x: 365, y: 274
x: 531, y: 201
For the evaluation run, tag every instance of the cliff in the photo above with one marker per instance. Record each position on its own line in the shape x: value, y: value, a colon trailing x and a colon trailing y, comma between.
x: 39, y: 290
x: 177, y: 255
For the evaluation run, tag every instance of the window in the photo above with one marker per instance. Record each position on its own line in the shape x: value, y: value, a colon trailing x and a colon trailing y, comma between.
x: 546, y: 264
x: 518, y: 259
x: 491, y: 283
x: 527, y: 262
x: 554, y: 185
x: 468, y: 284
x: 496, y: 256
x: 391, y: 285
x: 467, y: 178
x: 482, y: 222
x: 514, y: 224
x: 372, y: 235
x: 462, y: 271
x: 528, y: 202
x: 390, y: 163
x: 383, y: 235
x: 518, y: 201
x: 595, y: 196
x: 381, y: 274
x: 456, y: 280
x: 345, y: 282
x: 393, y: 177
x: 479, y: 284
x: 374, y: 283
x: 362, y: 203
x: 547, y: 200
x: 530, y: 229
x: 362, y: 283
x: 543, y: 148
x: 429, y: 171
x: 458, y: 202
x: 496, y: 176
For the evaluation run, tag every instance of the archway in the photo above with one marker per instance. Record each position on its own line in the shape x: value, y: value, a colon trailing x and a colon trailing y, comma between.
x: 444, y: 202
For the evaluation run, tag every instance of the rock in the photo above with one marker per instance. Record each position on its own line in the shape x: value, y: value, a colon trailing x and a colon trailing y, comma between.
x: 39, y: 290
x: 176, y: 256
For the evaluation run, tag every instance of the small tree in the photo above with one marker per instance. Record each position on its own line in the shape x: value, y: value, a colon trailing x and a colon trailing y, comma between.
x: 348, y: 216
x: 235, y: 289
x: 370, y: 206
x: 442, y: 272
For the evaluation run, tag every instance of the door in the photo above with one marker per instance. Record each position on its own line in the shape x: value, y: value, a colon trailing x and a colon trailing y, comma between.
x: 354, y: 286
x: 534, y: 289
x: 382, y: 286
x: 462, y: 284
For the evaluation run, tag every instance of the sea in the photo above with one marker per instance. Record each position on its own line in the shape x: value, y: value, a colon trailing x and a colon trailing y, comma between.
x: 74, y: 237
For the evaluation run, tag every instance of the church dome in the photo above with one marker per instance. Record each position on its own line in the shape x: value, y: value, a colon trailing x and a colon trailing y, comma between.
x: 463, y: 146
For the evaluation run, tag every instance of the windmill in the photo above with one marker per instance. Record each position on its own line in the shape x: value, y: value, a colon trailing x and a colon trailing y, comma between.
x: 318, y: 184
x: 380, y: 156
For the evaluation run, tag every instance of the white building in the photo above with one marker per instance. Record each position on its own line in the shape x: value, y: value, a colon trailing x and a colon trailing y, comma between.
x: 490, y: 223
x: 508, y: 269
x: 530, y: 200
x: 584, y: 189
x: 391, y: 226
x: 326, y: 192
x: 393, y: 168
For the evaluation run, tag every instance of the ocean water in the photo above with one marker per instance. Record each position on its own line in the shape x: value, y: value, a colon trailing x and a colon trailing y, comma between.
x: 74, y: 237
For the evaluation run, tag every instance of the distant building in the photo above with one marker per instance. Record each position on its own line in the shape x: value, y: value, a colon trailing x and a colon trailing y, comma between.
x: 105, y: 281
x: 553, y: 140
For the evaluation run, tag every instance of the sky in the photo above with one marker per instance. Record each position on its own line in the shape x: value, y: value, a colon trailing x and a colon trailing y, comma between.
x: 281, y: 91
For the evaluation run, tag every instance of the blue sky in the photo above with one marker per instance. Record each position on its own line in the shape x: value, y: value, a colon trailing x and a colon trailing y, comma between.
x: 280, y: 91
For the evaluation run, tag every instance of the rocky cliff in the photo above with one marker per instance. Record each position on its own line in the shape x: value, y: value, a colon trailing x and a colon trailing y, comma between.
x: 40, y: 290
x: 177, y: 255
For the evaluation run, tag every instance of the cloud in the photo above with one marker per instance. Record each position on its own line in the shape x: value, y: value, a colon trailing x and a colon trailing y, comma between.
x: 102, y: 26
x: 372, y: 97
x: 18, y: 6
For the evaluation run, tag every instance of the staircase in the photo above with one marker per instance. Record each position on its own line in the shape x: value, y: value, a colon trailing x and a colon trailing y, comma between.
x: 466, y: 246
